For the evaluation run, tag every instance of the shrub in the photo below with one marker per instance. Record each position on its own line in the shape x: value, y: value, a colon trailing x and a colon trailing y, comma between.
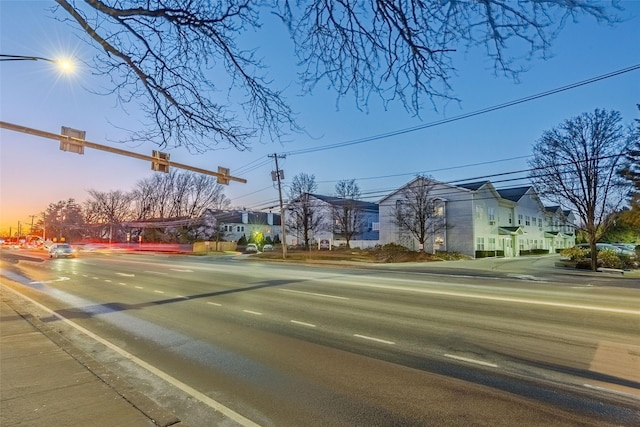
x: 609, y: 259
x: 575, y: 253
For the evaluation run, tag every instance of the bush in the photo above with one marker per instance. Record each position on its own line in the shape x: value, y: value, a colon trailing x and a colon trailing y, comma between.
x: 609, y: 259
x: 575, y: 253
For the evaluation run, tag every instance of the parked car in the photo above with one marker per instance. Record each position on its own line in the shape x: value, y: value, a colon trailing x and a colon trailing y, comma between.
x: 62, y: 250
x: 619, y: 250
x: 251, y: 248
x: 324, y: 245
x: 267, y: 248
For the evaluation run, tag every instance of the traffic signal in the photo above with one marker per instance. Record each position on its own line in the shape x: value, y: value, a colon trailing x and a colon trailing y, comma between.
x: 68, y: 144
x: 157, y: 165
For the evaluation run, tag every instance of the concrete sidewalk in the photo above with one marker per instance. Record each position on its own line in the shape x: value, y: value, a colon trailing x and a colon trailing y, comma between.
x: 45, y: 381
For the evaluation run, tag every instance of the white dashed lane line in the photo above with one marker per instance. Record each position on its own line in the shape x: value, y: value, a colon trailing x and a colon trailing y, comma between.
x: 214, y: 303
x: 374, y: 339
x: 126, y: 274
x: 466, y: 359
x: 297, y: 322
x: 158, y: 292
x: 314, y: 294
x: 256, y: 313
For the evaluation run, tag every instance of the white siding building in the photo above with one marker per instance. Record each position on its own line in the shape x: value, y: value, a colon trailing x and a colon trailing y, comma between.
x: 483, y: 221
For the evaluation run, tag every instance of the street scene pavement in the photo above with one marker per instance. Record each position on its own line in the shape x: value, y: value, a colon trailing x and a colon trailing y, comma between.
x: 45, y: 380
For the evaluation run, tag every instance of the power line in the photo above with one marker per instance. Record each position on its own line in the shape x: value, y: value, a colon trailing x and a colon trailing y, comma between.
x: 465, y: 116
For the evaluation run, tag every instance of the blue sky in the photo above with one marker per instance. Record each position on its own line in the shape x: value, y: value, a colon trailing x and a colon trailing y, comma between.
x: 34, y: 172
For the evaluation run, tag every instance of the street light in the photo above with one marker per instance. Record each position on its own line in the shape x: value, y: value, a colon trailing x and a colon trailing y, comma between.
x: 65, y: 65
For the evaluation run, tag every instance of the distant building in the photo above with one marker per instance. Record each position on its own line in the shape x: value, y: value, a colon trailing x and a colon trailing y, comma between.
x: 237, y: 223
x: 366, y: 235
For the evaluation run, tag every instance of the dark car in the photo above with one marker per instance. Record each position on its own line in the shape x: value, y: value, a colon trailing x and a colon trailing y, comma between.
x: 62, y: 250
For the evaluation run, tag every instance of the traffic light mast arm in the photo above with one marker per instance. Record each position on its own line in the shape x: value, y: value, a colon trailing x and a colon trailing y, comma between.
x: 58, y: 137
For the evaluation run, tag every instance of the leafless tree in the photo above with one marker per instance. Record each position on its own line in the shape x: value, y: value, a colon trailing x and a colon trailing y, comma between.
x: 181, y: 56
x: 177, y: 194
x: 304, y: 215
x: 419, y: 210
x: 348, y: 214
x: 108, y: 209
x: 577, y: 164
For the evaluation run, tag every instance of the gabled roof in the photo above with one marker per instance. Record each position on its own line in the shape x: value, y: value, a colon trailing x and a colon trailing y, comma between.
x: 473, y: 186
x: 337, y: 201
x: 514, y: 194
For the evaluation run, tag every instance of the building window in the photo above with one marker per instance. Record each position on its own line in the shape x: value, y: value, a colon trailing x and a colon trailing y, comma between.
x: 519, y: 219
x: 510, y: 218
x: 491, y: 214
x: 478, y: 211
x: 527, y: 220
x: 439, y: 211
x: 480, y: 243
x: 492, y: 243
x: 540, y: 222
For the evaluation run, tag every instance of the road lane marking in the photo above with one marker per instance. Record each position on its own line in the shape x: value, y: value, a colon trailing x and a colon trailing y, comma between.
x: 314, y: 294
x: 311, y: 325
x: 126, y: 274
x: 493, y: 298
x: 229, y: 413
x: 608, y: 390
x: 466, y: 359
x: 139, y: 287
x: 214, y: 303
x: 257, y: 313
x: 107, y: 280
x: 373, y: 339
x: 158, y: 292
x: 59, y: 279
x: 156, y: 272
x: 181, y: 270
x: 122, y: 284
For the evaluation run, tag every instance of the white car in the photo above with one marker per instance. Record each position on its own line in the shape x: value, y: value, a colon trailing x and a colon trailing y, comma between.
x: 251, y: 248
x: 62, y: 250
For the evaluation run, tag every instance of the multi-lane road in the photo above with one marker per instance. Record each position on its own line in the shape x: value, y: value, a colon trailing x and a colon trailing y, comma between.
x: 235, y: 341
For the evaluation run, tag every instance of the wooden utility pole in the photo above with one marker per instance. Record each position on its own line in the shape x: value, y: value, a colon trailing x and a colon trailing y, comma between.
x: 278, y: 175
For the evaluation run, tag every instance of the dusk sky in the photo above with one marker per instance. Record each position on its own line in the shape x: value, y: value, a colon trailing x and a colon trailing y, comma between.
x: 35, y: 173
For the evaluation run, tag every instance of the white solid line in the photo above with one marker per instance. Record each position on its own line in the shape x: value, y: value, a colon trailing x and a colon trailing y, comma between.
x: 466, y: 359
x: 257, y: 313
x: 608, y: 390
x: 214, y: 303
x: 373, y: 339
x: 314, y: 294
x: 163, y: 375
x: 311, y: 325
x: 158, y: 292
x: 494, y: 298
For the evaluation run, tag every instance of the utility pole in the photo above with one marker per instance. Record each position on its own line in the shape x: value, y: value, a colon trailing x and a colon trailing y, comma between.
x: 278, y: 175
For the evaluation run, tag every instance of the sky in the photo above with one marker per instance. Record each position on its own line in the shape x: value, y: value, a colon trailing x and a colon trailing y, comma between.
x: 396, y: 145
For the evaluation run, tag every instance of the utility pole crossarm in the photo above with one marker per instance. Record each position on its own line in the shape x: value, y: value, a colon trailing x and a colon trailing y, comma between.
x: 88, y: 144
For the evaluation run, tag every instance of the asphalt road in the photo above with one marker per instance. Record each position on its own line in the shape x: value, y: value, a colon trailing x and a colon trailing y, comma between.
x: 512, y: 342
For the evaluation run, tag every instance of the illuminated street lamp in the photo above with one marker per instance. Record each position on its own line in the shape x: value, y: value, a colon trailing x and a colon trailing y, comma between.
x: 65, y: 65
